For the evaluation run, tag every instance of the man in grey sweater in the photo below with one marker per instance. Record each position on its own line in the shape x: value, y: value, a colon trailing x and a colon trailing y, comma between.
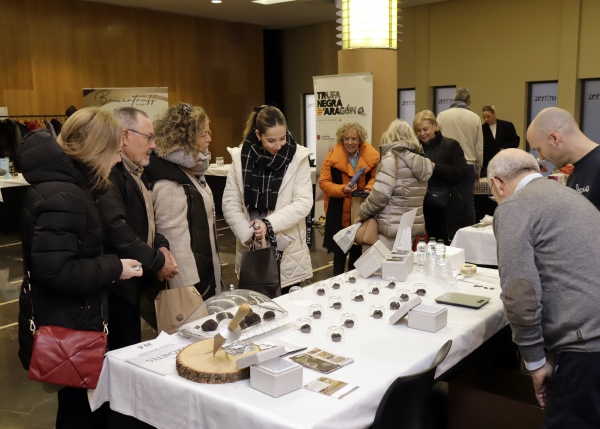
x: 548, y: 239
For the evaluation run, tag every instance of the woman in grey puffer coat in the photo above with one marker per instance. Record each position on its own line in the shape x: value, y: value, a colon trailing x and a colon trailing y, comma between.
x: 400, y: 183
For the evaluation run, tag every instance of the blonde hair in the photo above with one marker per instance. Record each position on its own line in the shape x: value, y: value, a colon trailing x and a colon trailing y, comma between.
x: 349, y: 126
x: 400, y: 131
x: 489, y: 108
x: 424, y: 115
x: 262, y: 118
x: 178, y: 127
x: 93, y: 137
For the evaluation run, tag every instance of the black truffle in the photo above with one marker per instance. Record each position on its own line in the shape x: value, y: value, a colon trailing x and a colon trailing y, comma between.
x: 404, y: 297
x: 252, y: 319
x: 421, y: 292
x: 377, y: 314
x: 320, y: 291
x: 209, y: 325
x: 394, y: 305
x: 391, y: 285
x: 269, y: 315
x: 336, y: 338
x: 317, y: 314
x: 375, y: 291
x: 336, y: 286
x: 349, y: 323
x: 222, y: 315
x: 359, y: 298
x: 305, y: 329
x: 337, y: 305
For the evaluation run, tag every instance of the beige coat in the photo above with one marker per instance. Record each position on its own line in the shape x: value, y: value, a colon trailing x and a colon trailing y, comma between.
x: 294, y: 203
x: 170, y: 212
x: 400, y: 186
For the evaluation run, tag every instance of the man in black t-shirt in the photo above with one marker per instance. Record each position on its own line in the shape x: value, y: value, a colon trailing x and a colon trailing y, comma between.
x: 554, y: 134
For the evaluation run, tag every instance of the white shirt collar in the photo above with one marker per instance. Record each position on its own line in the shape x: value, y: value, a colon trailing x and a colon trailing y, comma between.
x: 525, y: 180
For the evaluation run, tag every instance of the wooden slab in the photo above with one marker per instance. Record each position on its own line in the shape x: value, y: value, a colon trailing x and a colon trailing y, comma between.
x: 197, y: 363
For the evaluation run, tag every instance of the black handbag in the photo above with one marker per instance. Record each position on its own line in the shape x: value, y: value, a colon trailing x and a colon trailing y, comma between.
x: 437, y: 197
x: 259, y: 269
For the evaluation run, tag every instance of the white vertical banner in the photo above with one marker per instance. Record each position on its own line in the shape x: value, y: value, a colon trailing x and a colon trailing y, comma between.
x: 541, y: 96
x: 590, y: 125
x: 406, y: 105
x: 444, y: 96
x: 339, y: 99
x: 310, y: 125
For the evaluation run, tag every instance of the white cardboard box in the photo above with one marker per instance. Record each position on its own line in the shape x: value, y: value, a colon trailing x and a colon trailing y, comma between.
x: 456, y: 256
x: 272, y: 374
x: 371, y: 260
x: 430, y: 318
x: 397, y: 266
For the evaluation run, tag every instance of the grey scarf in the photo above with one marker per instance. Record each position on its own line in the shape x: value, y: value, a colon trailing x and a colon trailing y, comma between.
x: 460, y: 104
x: 193, y: 165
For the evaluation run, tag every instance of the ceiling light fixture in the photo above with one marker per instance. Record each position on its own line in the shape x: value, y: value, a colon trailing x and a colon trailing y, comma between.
x: 216, y: 1
x: 368, y: 23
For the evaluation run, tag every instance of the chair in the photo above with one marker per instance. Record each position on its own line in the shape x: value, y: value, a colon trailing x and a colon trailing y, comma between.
x: 406, y: 403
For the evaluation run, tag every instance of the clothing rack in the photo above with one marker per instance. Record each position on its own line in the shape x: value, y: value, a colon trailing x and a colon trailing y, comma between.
x: 34, y: 116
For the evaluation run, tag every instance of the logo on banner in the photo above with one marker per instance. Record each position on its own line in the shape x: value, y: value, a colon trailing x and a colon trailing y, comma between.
x: 548, y: 97
x: 329, y: 103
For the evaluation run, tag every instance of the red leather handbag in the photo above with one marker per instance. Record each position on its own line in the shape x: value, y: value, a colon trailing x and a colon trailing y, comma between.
x: 67, y: 357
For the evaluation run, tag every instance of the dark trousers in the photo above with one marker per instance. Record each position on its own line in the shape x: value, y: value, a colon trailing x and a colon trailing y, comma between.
x: 124, y: 324
x: 339, y: 259
x: 74, y: 411
x: 573, y: 399
x: 469, y: 191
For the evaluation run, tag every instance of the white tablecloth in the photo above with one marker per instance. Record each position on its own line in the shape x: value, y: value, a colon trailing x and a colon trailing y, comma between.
x: 381, y: 353
x: 213, y: 170
x: 479, y: 244
x: 11, y: 183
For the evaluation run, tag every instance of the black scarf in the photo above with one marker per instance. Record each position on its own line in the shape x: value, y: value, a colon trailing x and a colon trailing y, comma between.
x: 263, y: 172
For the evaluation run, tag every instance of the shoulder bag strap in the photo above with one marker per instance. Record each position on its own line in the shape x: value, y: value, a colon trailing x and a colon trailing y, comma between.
x: 272, y: 238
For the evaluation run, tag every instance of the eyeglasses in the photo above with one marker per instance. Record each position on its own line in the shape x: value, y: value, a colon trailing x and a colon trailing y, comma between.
x: 150, y: 139
x: 490, y: 195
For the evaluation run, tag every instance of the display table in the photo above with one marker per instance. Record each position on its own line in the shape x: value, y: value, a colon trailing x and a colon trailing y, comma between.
x: 11, y: 183
x: 479, y: 244
x: 381, y: 353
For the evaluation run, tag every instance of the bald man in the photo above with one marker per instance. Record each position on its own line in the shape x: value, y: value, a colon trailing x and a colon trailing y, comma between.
x: 554, y: 134
x: 548, y: 245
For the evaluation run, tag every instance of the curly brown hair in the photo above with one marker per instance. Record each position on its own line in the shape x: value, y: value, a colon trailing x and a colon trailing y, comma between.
x: 178, y: 127
x: 349, y: 126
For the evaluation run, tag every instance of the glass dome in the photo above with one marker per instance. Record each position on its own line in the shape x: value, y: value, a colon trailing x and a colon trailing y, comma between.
x: 265, y: 315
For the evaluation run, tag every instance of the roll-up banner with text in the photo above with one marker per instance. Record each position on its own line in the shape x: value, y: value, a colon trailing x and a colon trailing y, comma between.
x: 339, y: 99
x: 541, y: 96
x: 153, y: 101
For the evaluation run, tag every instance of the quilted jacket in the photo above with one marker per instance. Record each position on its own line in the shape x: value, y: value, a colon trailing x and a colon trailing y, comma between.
x: 294, y: 203
x: 400, y: 186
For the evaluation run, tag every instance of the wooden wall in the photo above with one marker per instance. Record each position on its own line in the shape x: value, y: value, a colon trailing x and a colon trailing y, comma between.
x: 51, y: 49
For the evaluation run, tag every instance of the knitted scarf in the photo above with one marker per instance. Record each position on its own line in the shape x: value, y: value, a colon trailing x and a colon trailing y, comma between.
x: 263, y: 172
x: 193, y: 165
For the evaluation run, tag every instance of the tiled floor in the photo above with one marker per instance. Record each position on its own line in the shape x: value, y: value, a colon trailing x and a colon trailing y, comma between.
x: 23, y: 403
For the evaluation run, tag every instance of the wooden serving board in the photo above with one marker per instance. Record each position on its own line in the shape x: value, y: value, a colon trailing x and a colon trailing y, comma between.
x: 197, y: 363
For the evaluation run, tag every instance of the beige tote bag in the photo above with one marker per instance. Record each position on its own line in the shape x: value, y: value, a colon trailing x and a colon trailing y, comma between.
x: 174, y: 306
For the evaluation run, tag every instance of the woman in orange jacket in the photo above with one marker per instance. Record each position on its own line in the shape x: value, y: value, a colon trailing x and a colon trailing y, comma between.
x: 350, y: 154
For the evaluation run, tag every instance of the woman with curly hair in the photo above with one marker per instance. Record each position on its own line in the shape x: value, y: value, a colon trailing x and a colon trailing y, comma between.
x: 183, y: 202
x: 350, y: 154
x: 269, y: 180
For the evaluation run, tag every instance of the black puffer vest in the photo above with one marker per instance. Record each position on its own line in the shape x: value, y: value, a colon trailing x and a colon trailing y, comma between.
x: 199, y: 227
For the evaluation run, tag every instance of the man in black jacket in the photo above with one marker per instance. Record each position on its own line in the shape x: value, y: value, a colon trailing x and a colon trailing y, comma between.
x: 128, y: 226
x: 555, y: 136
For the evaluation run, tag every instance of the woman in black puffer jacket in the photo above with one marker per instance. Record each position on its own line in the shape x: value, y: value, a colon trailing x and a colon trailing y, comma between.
x: 65, y: 270
x: 450, y: 171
